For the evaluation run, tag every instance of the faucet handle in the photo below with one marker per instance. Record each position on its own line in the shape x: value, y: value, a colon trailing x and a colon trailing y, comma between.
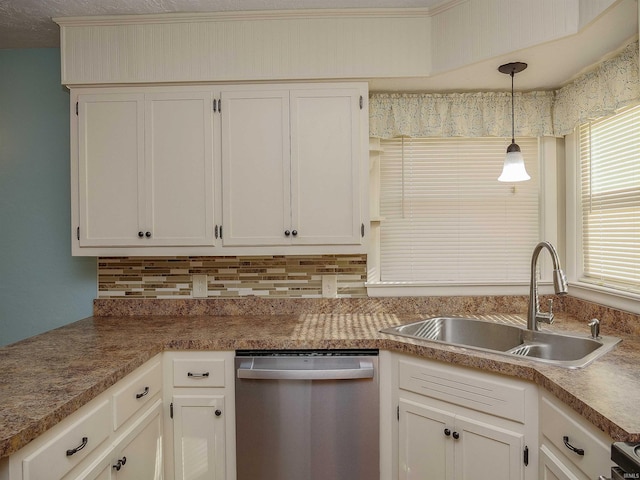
x: 546, y: 317
x: 594, y: 324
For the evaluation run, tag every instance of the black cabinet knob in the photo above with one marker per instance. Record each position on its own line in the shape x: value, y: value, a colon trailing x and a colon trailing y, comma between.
x: 447, y: 432
x: 120, y: 463
x: 148, y: 234
x: 287, y: 233
x: 294, y: 233
x: 218, y: 413
x: 456, y: 435
x: 141, y: 234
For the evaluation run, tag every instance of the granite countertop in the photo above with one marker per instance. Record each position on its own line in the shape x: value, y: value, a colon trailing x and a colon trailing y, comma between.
x: 49, y: 376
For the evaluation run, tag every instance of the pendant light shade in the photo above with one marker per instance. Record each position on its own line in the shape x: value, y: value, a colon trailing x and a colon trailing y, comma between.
x: 513, y: 169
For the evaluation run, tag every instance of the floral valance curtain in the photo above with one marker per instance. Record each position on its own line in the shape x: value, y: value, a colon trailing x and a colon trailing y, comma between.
x: 613, y: 84
x: 598, y: 93
x: 460, y: 115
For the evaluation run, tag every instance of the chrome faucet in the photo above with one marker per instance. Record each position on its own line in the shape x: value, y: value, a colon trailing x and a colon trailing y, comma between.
x: 534, y: 315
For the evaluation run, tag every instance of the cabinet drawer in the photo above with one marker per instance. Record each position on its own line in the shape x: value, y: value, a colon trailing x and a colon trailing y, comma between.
x: 476, y: 390
x: 64, y: 451
x: 207, y: 372
x: 558, y: 421
x: 136, y: 392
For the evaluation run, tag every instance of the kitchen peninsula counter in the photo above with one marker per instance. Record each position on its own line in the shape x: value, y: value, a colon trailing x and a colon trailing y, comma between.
x: 45, y: 378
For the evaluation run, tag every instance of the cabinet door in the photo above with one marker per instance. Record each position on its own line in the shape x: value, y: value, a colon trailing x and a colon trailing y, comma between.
x: 326, y: 162
x: 110, y: 168
x: 199, y: 437
x: 140, y: 455
x: 179, y: 168
x: 486, y: 451
x: 425, y: 451
x: 256, y: 167
x: 136, y: 455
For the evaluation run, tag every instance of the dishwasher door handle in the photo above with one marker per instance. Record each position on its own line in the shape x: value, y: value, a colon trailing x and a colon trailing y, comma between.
x: 365, y: 371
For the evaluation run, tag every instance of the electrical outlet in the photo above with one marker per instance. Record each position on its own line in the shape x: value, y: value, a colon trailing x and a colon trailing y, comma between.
x: 329, y: 286
x: 199, y: 286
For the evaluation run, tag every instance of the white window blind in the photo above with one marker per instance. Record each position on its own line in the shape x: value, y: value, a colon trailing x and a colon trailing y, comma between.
x: 610, y: 186
x: 447, y: 219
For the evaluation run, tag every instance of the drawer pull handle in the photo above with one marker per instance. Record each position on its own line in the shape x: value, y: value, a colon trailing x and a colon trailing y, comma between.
x: 577, y: 451
x: 120, y: 463
x: 79, y: 447
x: 198, y: 375
x: 143, y: 394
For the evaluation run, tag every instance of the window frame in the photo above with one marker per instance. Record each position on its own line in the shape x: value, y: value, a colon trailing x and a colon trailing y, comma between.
x: 551, y: 168
x: 619, y: 299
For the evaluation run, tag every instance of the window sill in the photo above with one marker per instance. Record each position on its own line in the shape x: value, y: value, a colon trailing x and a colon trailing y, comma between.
x: 408, y: 289
x: 626, y: 301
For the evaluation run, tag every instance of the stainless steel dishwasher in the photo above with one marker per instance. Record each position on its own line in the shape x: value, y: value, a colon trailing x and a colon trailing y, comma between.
x: 307, y: 415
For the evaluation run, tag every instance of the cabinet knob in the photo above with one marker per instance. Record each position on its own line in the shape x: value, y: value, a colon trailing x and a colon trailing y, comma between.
x: 294, y: 233
x: 120, y: 463
x: 287, y: 233
x: 148, y: 234
x: 218, y: 413
x: 456, y: 435
x: 447, y: 432
x: 141, y: 234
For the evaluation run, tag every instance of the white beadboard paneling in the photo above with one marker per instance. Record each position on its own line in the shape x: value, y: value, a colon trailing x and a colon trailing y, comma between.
x: 590, y: 9
x: 481, y: 29
x: 174, y: 48
x: 312, y: 44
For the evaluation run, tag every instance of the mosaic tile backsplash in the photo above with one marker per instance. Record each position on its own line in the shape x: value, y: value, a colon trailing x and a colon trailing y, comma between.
x: 265, y: 276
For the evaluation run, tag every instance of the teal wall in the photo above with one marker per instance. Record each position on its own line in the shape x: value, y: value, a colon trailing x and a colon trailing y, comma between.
x: 41, y: 285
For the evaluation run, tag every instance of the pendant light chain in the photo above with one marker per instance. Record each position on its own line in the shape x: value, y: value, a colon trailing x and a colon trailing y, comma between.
x: 513, y: 115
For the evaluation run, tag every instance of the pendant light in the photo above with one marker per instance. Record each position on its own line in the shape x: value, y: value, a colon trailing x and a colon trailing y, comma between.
x: 513, y: 169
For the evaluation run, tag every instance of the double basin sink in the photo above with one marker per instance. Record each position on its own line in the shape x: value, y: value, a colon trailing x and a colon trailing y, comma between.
x: 557, y: 349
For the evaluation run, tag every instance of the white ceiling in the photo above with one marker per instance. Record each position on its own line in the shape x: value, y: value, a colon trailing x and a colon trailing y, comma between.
x: 28, y: 24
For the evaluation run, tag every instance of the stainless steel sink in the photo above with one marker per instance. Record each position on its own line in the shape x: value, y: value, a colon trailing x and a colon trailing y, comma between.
x: 558, y: 349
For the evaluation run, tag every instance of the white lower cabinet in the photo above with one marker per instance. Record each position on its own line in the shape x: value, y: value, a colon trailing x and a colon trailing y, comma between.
x: 456, y: 423
x: 124, y: 422
x: 200, y: 425
x: 174, y: 419
x: 570, y: 447
x: 199, y: 437
x: 71, y: 446
x: 434, y: 444
x: 137, y: 455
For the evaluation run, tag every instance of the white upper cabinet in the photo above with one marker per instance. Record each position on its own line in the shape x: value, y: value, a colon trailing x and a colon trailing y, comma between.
x: 325, y: 166
x: 256, y: 167
x: 144, y: 168
x: 227, y: 170
x: 179, y: 168
x: 292, y: 165
x: 110, y: 168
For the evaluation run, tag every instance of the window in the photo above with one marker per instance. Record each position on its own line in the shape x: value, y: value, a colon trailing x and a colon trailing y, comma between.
x: 446, y: 218
x: 610, y: 200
